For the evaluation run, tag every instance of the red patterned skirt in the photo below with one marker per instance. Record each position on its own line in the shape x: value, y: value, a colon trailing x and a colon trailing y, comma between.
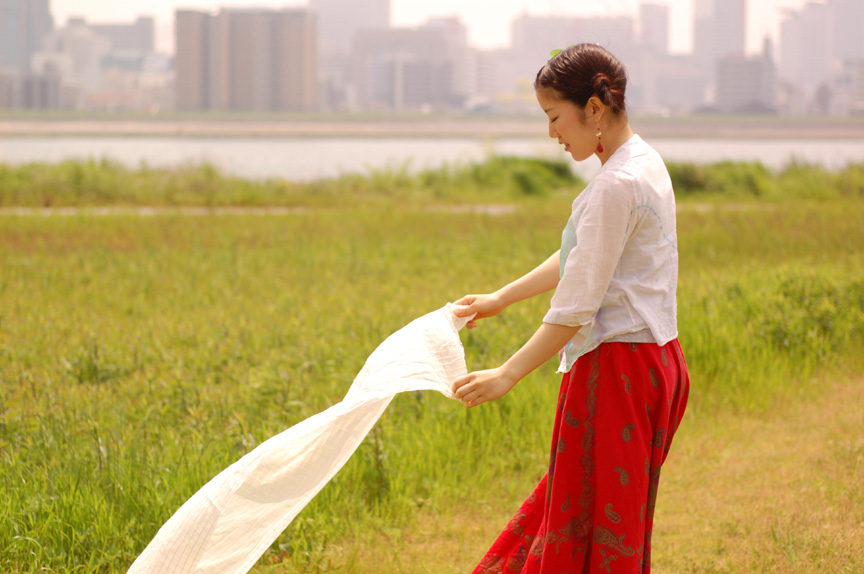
x: 618, y: 409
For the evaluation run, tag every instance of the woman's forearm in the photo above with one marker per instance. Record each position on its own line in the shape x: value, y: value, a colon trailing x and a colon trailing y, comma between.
x: 542, y: 346
x: 541, y: 279
x: 480, y: 386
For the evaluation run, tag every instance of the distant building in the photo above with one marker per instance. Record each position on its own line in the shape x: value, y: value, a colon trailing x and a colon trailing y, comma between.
x: 42, y: 91
x: 9, y: 90
x: 137, y: 36
x: 730, y: 36
x: 719, y: 35
x: 665, y: 83
x: 719, y: 30
x: 76, y: 52
x: 485, y: 73
x: 338, y: 24
x: 806, y: 47
x: 654, y: 27
x: 404, y: 69
x: 703, y: 31
x: 646, y: 69
x: 98, y: 66
x: 192, y: 90
x: 820, y: 47
x: 539, y: 35
x: 23, y: 25
x: 464, y: 79
x: 339, y: 21
x: 847, y: 29
x: 857, y: 104
x: 747, y: 85
x: 246, y: 60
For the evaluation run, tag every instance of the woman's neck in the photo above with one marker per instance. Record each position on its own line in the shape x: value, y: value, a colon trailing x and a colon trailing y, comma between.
x: 615, y: 134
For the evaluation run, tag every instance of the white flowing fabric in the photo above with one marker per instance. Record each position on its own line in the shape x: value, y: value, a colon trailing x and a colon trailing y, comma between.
x: 228, y: 524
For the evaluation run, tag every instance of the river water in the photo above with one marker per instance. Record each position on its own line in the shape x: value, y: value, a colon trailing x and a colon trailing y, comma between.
x: 303, y: 159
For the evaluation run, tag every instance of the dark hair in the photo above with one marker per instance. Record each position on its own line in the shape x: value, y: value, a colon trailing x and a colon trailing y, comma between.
x: 585, y: 70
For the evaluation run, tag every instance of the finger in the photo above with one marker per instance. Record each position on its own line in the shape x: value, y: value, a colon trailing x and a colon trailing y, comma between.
x: 479, y: 400
x: 471, y: 324
x: 469, y: 393
x: 463, y: 311
x: 459, y: 385
x: 469, y: 399
x: 465, y: 301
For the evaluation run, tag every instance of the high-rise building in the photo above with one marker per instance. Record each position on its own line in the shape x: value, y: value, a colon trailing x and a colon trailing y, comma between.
x: 339, y: 21
x: 403, y: 69
x: 847, y: 28
x: 719, y: 29
x: 252, y: 58
x: 192, y: 61
x: 464, y: 65
x: 42, y: 91
x: 139, y: 36
x: 747, y: 85
x: 338, y: 24
x: 75, y: 52
x: 806, y: 41
x: 539, y: 35
x: 857, y: 103
x: 654, y: 27
x: 23, y: 25
x: 703, y: 31
x: 730, y: 31
x: 246, y: 59
x: 295, y: 80
x: 820, y: 47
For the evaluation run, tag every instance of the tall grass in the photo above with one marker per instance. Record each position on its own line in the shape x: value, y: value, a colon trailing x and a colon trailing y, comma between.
x: 104, y: 182
x: 749, y: 180
x: 107, y: 182
x: 140, y: 356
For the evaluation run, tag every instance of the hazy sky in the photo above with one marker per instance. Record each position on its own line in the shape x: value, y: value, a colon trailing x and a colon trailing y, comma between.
x: 488, y: 20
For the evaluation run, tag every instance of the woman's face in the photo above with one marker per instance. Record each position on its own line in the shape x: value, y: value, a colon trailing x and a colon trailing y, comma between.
x: 568, y: 124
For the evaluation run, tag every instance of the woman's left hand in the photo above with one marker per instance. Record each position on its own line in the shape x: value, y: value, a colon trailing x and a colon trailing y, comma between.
x: 481, y: 386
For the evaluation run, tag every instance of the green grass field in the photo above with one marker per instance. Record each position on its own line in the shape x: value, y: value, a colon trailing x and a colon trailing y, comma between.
x: 142, y: 354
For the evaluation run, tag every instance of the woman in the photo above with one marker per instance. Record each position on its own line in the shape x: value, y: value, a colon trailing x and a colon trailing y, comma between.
x: 613, y: 320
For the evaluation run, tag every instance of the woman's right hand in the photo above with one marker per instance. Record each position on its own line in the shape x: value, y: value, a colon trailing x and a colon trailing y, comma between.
x: 482, y: 306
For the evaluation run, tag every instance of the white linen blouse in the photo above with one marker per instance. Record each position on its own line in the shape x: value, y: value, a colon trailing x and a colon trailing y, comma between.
x: 619, y: 256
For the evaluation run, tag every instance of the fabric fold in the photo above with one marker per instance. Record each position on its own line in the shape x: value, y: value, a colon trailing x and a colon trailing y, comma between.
x: 229, y: 523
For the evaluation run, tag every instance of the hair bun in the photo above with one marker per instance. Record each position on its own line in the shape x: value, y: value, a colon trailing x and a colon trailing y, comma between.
x: 601, y: 84
x: 601, y: 81
x: 584, y: 71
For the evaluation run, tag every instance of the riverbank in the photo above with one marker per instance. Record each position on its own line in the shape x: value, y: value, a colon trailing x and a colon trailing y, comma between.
x: 224, y: 125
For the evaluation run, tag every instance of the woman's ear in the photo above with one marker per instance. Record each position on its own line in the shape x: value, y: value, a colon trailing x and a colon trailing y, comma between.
x: 594, y: 109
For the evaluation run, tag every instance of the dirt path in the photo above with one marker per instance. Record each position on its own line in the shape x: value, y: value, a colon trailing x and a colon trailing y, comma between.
x: 192, y: 211
x: 782, y: 492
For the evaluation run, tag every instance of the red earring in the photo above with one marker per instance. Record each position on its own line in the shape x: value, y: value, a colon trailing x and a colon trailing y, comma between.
x: 599, y: 143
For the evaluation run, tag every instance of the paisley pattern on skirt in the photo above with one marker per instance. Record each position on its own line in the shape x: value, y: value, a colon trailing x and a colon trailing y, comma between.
x: 618, y: 410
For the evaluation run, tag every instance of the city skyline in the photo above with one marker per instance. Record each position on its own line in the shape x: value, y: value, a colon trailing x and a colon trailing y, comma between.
x: 488, y: 21
x: 357, y: 57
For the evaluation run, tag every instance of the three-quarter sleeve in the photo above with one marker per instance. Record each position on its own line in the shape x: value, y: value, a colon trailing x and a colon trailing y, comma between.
x: 602, y: 229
